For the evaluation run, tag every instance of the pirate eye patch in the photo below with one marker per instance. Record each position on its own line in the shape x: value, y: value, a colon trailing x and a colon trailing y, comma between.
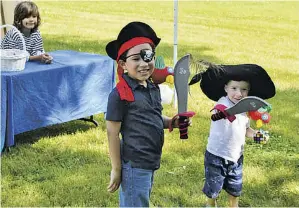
x: 146, y: 55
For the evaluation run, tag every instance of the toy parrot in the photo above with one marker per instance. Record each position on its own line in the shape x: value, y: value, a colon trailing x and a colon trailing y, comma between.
x: 261, y: 116
x: 161, y: 72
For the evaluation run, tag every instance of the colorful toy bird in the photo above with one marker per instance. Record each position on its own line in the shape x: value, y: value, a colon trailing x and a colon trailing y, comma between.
x: 161, y: 72
x: 261, y: 116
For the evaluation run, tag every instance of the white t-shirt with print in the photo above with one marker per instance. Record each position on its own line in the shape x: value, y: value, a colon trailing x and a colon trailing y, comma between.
x: 227, y: 139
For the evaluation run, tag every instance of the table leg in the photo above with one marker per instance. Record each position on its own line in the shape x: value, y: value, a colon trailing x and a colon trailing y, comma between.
x: 90, y: 119
x: 5, y: 149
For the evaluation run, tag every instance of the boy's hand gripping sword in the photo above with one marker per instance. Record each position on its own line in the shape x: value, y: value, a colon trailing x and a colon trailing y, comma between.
x: 250, y: 103
x: 181, y: 78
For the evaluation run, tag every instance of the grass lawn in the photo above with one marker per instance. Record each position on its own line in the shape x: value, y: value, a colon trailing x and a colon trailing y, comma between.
x: 68, y: 164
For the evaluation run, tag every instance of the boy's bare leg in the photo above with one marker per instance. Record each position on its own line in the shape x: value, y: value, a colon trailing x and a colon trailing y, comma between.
x: 233, y: 201
x: 211, y: 202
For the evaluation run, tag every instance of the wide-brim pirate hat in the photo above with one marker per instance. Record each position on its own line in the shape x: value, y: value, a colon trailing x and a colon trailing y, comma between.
x: 216, y: 77
x: 129, y: 32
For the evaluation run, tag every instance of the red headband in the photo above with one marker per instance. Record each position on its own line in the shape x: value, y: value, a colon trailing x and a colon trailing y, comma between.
x: 131, y: 43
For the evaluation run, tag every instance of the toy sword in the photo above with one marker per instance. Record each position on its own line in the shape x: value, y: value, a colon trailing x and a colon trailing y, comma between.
x: 250, y: 103
x: 181, y: 78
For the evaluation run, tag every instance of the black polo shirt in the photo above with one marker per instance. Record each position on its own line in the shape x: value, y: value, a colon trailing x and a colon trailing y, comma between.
x: 142, y: 124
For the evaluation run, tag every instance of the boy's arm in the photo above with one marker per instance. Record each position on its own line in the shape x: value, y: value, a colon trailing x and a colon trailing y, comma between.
x: 175, y: 122
x: 250, y: 132
x: 113, y: 129
x: 166, y: 121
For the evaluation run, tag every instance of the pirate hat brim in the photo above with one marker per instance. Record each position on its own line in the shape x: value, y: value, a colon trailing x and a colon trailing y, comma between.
x: 215, y: 78
x: 130, y: 31
x: 112, y: 49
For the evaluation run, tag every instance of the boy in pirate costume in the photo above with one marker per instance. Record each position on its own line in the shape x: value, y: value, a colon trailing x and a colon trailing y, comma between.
x: 135, y: 110
x: 227, y: 84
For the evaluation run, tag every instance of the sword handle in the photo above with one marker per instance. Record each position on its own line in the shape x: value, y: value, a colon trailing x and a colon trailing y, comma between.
x: 217, y: 116
x: 183, y: 127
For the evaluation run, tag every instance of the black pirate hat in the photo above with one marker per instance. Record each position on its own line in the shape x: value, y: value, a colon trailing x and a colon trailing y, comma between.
x: 138, y: 31
x: 215, y: 77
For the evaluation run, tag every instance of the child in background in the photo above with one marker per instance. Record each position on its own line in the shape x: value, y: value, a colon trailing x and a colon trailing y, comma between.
x: 135, y: 110
x: 27, y: 21
x: 227, y: 84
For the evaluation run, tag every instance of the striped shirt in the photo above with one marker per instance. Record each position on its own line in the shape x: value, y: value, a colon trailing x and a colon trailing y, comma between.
x: 34, y: 43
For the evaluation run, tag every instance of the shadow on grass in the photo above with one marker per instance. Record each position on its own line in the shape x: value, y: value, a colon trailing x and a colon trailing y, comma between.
x: 57, y: 176
x: 53, y: 131
x: 272, y: 193
x: 285, y: 114
x: 67, y: 128
x: 279, y: 158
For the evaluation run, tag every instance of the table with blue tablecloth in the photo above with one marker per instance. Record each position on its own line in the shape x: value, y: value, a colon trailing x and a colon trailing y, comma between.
x: 75, y: 85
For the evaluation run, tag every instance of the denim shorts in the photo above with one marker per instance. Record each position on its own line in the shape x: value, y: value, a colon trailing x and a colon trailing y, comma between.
x: 222, y: 174
x: 136, y: 186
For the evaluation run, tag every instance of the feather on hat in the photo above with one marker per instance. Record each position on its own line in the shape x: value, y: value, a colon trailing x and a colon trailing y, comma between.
x: 215, y: 77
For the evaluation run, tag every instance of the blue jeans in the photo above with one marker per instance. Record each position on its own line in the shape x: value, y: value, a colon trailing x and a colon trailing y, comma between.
x: 136, y: 186
x: 222, y: 174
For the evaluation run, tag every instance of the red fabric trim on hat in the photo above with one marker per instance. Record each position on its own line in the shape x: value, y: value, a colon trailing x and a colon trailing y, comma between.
x: 124, y: 90
x: 131, y: 43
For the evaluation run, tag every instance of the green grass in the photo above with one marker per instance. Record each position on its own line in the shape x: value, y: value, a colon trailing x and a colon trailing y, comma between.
x: 68, y: 164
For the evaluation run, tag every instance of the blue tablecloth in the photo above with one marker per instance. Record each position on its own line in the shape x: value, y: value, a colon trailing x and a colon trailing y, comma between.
x: 75, y: 85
